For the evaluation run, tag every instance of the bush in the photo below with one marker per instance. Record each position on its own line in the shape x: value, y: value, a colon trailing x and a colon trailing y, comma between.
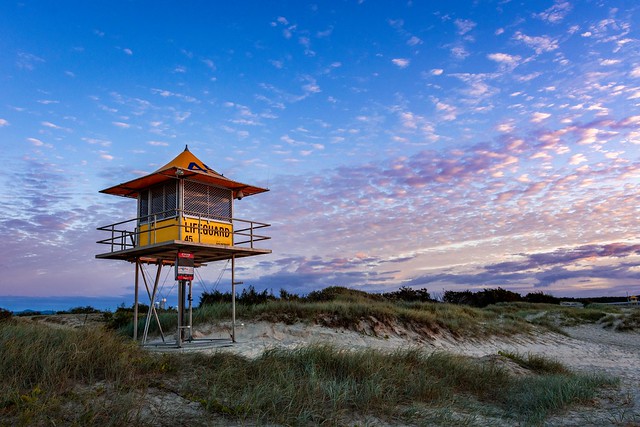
x: 250, y: 296
x: 214, y: 297
x: 408, y: 294
x: 541, y: 298
x: 287, y: 296
x: 481, y: 298
x: 333, y: 293
x: 80, y: 310
x: 123, y: 316
x: 5, y: 315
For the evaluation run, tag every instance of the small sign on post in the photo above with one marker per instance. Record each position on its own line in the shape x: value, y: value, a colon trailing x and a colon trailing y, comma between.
x: 184, y: 266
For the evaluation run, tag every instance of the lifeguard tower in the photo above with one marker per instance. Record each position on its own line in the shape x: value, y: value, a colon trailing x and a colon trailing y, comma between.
x: 185, y: 220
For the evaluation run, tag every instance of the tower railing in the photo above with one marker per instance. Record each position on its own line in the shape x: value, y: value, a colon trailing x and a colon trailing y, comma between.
x: 127, y: 234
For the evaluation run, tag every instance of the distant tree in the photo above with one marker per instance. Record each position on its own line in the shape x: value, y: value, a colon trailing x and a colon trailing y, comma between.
x: 541, y: 297
x: 458, y: 297
x: 214, y: 297
x: 481, y: 298
x: 123, y: 315
x: 287, y: 296
x: 493, y: 296
x: 83, y: 310
x: 408, y: 294
x: 250, y: 296
x: 28, y: 313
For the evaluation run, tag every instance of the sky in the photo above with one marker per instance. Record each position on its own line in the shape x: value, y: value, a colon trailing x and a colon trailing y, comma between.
x: 440, y: 145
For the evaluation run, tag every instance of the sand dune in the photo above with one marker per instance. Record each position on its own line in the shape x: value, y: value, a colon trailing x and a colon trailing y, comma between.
x: 587, y: 348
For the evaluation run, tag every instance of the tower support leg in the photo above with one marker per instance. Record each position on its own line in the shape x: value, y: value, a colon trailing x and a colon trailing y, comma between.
x: 152, y: 308
x: 135, y: 302
x: 190, y: 335
x: 233, y: 298
x: 180, y: 311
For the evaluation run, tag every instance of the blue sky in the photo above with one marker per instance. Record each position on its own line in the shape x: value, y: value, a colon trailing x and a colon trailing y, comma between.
x: 447, y: 145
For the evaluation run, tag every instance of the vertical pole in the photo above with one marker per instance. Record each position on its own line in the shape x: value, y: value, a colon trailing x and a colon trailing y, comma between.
x: 233, y: 298
x: 180, y: 311
x: 135, y: 302
x: 190, y: 311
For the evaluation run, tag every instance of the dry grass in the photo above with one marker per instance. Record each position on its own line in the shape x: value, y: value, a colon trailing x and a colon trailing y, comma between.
x: 54, y: 376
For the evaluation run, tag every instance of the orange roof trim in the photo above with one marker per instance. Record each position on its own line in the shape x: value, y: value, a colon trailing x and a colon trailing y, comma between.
x: 185, y: 166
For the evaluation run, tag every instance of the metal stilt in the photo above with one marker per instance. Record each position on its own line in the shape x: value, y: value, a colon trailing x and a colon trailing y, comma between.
x: 233, y: 298
x: 135, y: 302
x: 190, y: 336
x: 152, y: 308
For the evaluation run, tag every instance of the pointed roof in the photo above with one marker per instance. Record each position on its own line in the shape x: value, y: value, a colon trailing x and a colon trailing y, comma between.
x: 185, y: 165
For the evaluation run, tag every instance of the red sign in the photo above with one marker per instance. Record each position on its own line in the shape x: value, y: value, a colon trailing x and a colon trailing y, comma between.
x: 184, y: 266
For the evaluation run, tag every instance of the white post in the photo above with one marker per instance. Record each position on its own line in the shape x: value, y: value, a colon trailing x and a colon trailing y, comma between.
x: 233, y: 298
x: 190, y: 311
x: 135, y: 303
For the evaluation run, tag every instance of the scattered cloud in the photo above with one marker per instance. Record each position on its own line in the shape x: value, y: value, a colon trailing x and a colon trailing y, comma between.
x: 505, y: 60
x: 539, y: 117
x: 459, y: 52
x: 28, y: 61
x: 576, y: 159
x: 414, y: 41
x: 464, y: 26
x: 556, y: 13
x: 401, y: 62
x: 539, y: 44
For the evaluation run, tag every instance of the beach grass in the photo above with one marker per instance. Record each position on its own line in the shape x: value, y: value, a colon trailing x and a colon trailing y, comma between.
x: 629, y: 321
x: 92, y: 376
x: 428, y: 317
x: 50, y: 375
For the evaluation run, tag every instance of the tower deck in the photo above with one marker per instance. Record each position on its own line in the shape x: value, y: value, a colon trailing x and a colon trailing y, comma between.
x: 165, y: 252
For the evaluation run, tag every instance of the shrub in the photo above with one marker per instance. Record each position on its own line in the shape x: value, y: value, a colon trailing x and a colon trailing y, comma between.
x: 408, y: 294
x: 214, y: 297
x: 481, y: 298
x: 333, y: 293
x: 123, y: 316
x: 287, y: 296
x: 5, y: 315
x: 453, y: 297
x: 80, y: 310
x: 541, y: 297
x: 250, y: 296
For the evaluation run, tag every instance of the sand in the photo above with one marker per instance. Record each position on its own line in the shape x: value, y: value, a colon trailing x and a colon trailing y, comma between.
x: 586, y: 349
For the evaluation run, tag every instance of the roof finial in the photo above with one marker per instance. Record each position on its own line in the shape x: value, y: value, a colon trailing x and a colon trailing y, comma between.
x: 186, y: 148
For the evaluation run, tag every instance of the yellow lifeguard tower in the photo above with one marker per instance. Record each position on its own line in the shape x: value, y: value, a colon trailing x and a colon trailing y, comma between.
x: 185, y: 219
